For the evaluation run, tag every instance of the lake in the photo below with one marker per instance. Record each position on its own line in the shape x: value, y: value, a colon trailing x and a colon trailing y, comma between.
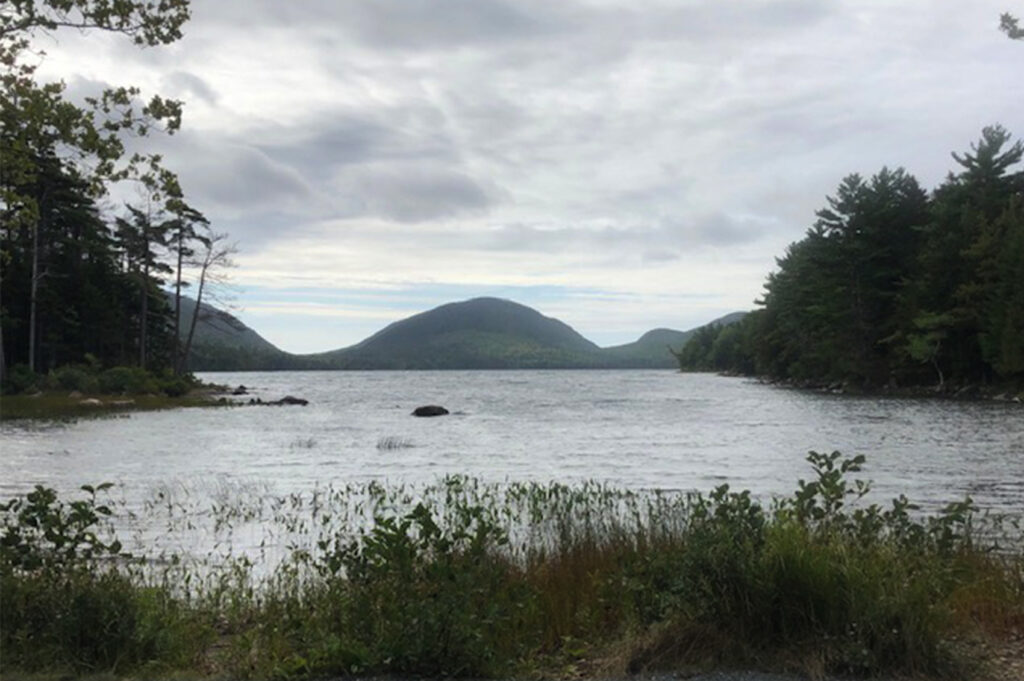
x: 632, y: 429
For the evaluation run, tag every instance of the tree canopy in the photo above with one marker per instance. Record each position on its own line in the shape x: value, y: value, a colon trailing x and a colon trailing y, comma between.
x: 893, y: 285
x: 79, y: 283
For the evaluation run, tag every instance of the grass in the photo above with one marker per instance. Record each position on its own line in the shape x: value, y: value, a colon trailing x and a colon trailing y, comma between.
x: 463, y: 578
x: 61, y: 405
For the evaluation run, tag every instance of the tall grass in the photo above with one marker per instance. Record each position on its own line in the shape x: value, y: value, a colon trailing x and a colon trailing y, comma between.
x: 471, y: 579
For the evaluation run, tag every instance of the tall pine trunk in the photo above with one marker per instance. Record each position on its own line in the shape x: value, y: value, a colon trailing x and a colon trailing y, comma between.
x: 33, y: 322
x: 33, y: 298
x: 195, y: 315
x: 144, y: 303
x: 179, y: 361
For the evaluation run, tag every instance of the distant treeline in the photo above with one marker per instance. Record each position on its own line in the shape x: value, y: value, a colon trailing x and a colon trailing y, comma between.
x: 893, y: 285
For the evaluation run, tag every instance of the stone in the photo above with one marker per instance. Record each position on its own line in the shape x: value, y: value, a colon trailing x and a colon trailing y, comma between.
x: 429, y: 410
x: 286, y: 400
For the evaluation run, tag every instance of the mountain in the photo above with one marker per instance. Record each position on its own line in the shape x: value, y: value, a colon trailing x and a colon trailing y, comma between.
x: 222, y: 342
x: 482, y: 333
x: 651, y: 350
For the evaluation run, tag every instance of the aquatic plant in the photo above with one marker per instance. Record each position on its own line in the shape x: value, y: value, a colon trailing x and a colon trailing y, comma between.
x: 468, y: 578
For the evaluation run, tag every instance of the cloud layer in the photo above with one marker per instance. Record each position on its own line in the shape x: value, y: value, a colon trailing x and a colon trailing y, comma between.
x: 644, y: 161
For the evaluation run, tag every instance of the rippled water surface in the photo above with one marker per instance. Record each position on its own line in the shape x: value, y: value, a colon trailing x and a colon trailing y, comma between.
x: 635, y: 429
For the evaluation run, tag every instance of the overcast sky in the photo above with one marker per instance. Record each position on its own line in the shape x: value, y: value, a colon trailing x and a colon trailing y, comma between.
x: 620, y: 165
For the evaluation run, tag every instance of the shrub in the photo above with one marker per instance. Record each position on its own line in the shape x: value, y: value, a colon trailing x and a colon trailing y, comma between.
x: 20, y: 379
x: 128, y: 380
x: 470, y: 579
x: 73, y: 378
x: 426, y: 599
x: 62, y: 609
x: 175, y: 387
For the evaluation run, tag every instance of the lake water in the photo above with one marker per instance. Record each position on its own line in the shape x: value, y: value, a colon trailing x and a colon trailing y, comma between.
x: 633, y: 429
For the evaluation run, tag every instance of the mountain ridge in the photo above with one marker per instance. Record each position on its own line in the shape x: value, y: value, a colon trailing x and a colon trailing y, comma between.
x: 478, y: 333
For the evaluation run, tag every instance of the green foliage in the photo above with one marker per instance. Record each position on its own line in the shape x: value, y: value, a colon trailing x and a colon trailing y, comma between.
x: 20, y: 379
x: 80, y: 378
x: 40, y: 531
x: 892, y: 286
x: 91, y: 379
x: 428, y: 599
x: 467, y: 579
x: 1010, y: 25
x: 130, y: 380
x: 65, y: 609
x: 73, y: 285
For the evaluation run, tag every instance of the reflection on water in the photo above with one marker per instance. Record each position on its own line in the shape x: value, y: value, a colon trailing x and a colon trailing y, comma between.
x: 634, y: 429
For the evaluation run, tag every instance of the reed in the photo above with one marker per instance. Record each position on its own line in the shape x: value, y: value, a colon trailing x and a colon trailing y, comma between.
x: 464, y: 578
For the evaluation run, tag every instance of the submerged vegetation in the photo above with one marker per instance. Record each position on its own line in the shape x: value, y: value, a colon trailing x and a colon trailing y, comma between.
x: 473, y: 579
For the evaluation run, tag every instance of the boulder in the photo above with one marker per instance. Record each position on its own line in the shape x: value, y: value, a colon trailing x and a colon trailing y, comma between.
x: 91, y: 402
x: 287, y: 399
x: 429, y: 410
x: 240, y: 390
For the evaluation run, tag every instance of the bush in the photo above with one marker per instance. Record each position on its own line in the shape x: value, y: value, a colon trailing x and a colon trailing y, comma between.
x: 470, y: 579
x: 130, y: 380
x: 73, y: 378
x: 20, y: 379
x: 175, y: 387
x: 64, y: 610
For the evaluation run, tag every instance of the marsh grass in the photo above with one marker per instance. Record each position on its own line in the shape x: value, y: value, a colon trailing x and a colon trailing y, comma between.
x: 464, y: 578
x: 392, y: 442
x: 61, y: 406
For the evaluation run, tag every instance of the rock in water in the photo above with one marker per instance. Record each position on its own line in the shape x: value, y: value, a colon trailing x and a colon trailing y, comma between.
x: 287, y: 399
x: 429, y: 410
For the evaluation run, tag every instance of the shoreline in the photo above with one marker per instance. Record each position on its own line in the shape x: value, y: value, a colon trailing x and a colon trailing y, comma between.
x: 61, y: 405
x: 972, y: 392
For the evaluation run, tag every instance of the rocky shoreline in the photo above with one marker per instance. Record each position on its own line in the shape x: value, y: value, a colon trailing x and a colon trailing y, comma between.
x: 971, y: 391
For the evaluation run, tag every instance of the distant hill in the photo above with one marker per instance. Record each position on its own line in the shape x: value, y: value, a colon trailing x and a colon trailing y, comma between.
x: 651, y: 349
x: 222, y: 342
x: 482, y: 333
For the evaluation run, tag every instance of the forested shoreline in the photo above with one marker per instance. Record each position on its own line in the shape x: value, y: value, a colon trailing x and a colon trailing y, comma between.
x: 92, y: 234
x: 893, y: 286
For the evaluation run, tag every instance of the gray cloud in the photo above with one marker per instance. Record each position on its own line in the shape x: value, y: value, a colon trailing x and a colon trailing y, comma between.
x: 414, y: 193
x: 636, y: 133
x: 359, y: 135
x: 445, y: 24
x: 231, y: 176
x: 661, y: 241
x: 182, y: 83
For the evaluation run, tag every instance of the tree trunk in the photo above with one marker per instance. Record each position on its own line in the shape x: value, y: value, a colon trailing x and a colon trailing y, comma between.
x: 195, y: 315
x: 3, y: 357
x: 33, y: 322
x: 33, y: 297
x: 179, y: 361
x: 144, y: 302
